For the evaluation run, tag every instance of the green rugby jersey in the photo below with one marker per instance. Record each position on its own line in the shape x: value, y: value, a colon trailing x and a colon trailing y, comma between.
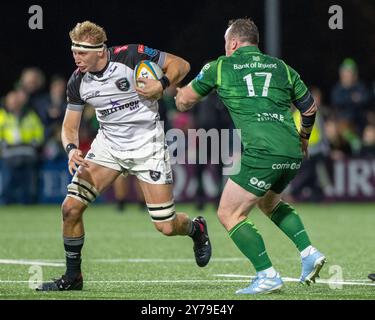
x: 258, y: 91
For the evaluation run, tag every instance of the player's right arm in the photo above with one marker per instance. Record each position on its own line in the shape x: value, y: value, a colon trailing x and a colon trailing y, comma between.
x: 201, y: 86
x: 71, y: 123
x: 70, y: 140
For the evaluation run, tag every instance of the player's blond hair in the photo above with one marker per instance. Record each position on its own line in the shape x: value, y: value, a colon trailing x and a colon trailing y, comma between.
x: 89, y: 32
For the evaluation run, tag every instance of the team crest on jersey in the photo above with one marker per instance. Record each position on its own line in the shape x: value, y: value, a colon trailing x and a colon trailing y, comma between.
x: 123, y: 84
x: 155, y: 175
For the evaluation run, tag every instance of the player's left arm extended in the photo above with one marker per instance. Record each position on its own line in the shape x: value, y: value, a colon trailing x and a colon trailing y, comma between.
x: 308, y: 108
x: 186, y: 98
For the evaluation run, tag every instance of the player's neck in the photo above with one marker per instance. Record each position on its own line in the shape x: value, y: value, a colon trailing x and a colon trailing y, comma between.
x: 101, y: 65
x: 247, y: 44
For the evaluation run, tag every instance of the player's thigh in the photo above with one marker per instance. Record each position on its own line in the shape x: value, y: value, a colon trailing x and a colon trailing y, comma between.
x: 98, y: 176
x: 88, y: 184
x: 156, y: 193
x: 103, y: 167
x: 286, y: 173
x: 160, y: 204
x: 245, y: 188
x: 235, y: 203
x: 121, y: 187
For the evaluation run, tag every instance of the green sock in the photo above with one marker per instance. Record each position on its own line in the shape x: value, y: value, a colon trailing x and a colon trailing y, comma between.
x: 287, y: 219
x: 250, y: 242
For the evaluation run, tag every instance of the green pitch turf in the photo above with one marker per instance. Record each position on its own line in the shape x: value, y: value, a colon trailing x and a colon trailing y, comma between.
x: 125, y: 258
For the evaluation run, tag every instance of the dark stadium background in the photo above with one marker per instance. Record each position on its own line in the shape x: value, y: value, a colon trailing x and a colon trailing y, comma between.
x: 124, y: 257
x: 195, y: 30
x: 192, y: 29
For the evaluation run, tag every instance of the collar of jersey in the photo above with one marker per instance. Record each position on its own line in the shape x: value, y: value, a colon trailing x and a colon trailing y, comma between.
x: 246, y: 49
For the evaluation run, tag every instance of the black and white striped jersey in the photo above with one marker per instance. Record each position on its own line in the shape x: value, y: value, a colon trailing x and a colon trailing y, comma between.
x: 126, y: 120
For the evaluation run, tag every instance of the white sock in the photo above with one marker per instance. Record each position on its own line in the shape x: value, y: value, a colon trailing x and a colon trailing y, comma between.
x: 306, y: 252
x: 271, y: 272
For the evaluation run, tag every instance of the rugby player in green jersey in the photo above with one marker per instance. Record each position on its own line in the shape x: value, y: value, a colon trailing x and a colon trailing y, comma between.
x: 258, y: 91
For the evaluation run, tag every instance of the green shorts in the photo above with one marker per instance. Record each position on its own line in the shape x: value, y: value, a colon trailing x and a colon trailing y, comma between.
x: 269, y: 173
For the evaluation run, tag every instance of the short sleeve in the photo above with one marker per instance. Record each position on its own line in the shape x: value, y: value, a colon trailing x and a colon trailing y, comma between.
x: 141, y: 52
x: 74, y: 100
x: 206, y: 80
x: 299, y: 88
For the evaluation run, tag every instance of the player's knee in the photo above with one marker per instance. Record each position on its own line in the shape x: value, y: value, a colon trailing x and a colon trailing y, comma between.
x: 221, y: 214
x: 162, y: 213
x: 166, y: 228
x: 82, y: 191
x: 71, y: 212
x: 230, y: 217
x: 224, y: 216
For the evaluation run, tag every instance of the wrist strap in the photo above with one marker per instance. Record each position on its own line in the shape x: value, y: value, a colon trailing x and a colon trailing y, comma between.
x: 70, y: 147
x: 164, y: 82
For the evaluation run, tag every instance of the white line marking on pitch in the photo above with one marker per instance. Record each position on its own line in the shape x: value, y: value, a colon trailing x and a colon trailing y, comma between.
x: 31, y: 262
x: 61, y: 263
x: 246, y: 279
x: 287, y: 279
x: 142, y: 281
x: 57, y: 263
x: 146, y: 260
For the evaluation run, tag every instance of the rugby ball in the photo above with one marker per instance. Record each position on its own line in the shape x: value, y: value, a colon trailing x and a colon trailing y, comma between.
x: 147, y: 69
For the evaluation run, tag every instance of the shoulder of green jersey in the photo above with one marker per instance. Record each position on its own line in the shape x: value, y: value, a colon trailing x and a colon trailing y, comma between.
x: 204, y: 69
x: 211, y: 64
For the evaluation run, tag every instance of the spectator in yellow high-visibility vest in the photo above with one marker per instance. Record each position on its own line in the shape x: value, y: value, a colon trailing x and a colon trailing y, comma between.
x: 21, y: 134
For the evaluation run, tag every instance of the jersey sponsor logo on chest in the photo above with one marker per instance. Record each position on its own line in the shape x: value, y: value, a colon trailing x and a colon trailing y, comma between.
x: 117, y: 107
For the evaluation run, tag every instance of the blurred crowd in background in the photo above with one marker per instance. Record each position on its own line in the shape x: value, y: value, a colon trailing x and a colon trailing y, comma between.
x: 31, y: 116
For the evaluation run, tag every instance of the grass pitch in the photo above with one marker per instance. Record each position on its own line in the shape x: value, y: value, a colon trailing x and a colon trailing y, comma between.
x: 124, y: 257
